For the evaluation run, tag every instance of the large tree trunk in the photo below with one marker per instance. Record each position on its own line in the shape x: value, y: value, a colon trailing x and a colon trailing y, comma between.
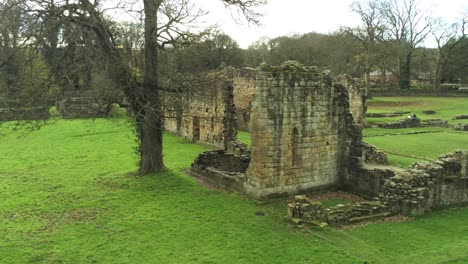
x: 152, y: 122
x: 405, y: 72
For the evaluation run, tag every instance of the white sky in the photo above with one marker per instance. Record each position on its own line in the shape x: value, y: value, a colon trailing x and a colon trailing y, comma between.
x: 286, y: 17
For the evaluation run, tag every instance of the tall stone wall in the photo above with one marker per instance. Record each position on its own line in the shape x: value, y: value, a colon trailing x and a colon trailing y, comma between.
x: 201, y: 108
x: 244, y: 90
x: 357, y: 101
x: 301, y: 130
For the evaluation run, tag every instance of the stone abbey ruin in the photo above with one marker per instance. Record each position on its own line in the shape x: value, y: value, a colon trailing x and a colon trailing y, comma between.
x: 306, y: 133
x: 303, y: 134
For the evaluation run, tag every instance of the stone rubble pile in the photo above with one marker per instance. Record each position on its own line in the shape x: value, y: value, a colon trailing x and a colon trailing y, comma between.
x: 461, y: 127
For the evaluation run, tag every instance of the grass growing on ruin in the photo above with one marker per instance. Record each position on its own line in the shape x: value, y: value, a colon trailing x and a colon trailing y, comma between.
x: 446, y: 107
x: 68, y: 194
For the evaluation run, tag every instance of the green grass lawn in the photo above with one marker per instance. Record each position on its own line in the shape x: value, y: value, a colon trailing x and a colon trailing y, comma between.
x: 425, y: 146
x: 446, y: 107
x: 244, y: 136
x: 404, y: 146
x: 68, y: 195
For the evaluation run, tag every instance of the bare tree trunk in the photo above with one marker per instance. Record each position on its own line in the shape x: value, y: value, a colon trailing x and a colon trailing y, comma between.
x: 437, y: 76
x: 152, y: 122
x: 405, y: 72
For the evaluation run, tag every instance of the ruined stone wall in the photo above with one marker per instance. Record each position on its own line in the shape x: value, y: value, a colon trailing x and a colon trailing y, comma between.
x: 418, y: 189
x: 357, y: 103
x: 244, y: 90
x: 81, y: 104
x: 13, y: 110
x: 200, y: 108
x: 357, y: 97
x: 300, y: 125
x: 304, y: 210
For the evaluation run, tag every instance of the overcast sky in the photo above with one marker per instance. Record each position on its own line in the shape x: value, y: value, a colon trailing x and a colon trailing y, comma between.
x: 286, y: 17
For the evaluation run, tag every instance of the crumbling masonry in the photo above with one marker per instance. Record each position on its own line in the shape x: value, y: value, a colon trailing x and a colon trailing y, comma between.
x: 306, y: 132
x: 303, y: 135
x: 201, y: 108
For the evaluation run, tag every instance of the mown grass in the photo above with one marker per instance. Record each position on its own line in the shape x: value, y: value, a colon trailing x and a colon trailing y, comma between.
x: 446, y: 107
x: 405, y: 146
x: 244, y: 136
x: 424, y: 146
x: 68, y: 195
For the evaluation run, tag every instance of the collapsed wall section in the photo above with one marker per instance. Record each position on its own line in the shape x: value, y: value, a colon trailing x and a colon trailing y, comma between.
x: 418, y: 189
x: 300, y: 131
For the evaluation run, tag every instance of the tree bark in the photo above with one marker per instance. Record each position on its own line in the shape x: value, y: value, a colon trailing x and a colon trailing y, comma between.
x: 151, y: 156
x: 405, y: 72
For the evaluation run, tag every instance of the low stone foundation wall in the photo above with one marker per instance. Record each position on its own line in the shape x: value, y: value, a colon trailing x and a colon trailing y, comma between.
x: 435, y: 122
x: 383, y: 115
x: 461, y: 127
x: 459, y: 117
x: 404, y: 123
x: 368, y: 181
x: 418, y: 189
x: 27, y: 113
x: 304, y: 210
x: 81, y: 107
x: 224, y: 168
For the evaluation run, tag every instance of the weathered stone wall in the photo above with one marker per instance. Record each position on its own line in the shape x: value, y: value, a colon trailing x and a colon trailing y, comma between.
x: 367, y: 181
x: 80, y: 105
x: 11, y: 110
x: 304, y: 210
x: 300, y: 131
x: 357, y: 98
x: 244, y: 91
x: 418, y: 189
x: 403, y: 123
x: 201, y: 108
x: 303, y: 135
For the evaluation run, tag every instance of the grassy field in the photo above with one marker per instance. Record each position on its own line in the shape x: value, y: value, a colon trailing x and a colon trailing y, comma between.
x: 406, y: 146
x: 446, y: 107
x: 68, y: 195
